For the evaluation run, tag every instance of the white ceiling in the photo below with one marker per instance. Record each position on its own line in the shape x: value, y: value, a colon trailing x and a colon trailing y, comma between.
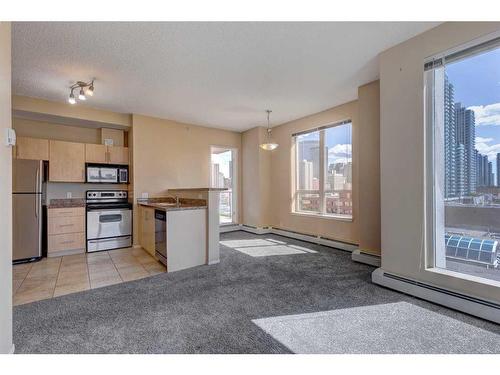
x: 222, y: 75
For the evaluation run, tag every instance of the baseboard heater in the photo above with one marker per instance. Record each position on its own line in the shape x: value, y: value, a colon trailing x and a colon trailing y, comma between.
x: 318, y: 240
x: 366, y: 258
x: 471, y: 305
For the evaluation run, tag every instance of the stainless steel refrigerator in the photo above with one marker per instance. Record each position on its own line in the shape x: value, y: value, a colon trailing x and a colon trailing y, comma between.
x: 27, y: 199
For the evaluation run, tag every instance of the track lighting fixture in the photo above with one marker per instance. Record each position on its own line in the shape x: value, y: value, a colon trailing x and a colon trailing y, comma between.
x: 85, y: 89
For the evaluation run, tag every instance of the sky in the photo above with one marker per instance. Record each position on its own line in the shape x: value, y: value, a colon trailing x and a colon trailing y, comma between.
x: 223, y: 160
x: 477, y: 86
x: 338, y: 140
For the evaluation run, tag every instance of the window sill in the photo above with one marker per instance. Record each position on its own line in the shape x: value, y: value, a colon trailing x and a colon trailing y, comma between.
x: 321, y: 216
x: 464, y: 276
x: 227, y: 224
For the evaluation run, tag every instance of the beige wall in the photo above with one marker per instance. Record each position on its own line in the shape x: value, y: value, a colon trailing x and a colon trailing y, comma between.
x: 79, y: 111
x: 5, y: 193
x: 281, y: 178
x: 40, y: 129
x: 256, y: 179
x: 169, y: 154
x: 369, y: 167
x: 402, y: 154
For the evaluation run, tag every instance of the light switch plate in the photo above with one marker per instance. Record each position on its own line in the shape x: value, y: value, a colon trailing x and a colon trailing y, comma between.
x: 10, y: 137
x: 69, y: 194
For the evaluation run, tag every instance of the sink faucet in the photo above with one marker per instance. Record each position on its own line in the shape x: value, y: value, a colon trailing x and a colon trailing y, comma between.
x: 176, y: 198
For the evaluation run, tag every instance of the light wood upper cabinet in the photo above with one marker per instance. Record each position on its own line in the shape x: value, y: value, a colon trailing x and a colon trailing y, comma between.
x: 66, y: 161
x: 31, y: 148
x: 96, y: 153
x: 117, y: 155
x: 106, y: 154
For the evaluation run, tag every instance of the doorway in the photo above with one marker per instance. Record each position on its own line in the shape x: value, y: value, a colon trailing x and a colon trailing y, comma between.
x: 223, y: 175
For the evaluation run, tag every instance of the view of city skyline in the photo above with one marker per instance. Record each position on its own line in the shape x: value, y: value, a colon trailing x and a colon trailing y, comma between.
x: 471, y: 125
x: 476, y: 86
x: 337, y: 175
x: 222, y: 177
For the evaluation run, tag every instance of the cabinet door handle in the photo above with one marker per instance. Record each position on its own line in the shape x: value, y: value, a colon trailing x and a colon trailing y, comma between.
x: 67, y: 225
x: 67, y: 242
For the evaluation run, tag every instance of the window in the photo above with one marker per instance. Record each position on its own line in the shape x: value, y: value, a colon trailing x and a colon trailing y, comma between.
x: 463, y: 112
x: 323, y: 179
x: 223, y: 167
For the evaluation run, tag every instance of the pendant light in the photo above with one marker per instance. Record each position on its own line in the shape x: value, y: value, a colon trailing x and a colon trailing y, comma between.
x: 269, y: 144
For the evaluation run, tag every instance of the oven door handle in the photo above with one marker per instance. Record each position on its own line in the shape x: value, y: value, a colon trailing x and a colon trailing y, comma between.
x: 110, y: 218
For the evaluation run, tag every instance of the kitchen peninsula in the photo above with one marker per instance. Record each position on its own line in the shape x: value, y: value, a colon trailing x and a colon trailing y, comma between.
x: 182, y: 230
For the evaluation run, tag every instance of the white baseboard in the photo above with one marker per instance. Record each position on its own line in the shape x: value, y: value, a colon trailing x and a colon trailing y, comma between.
x: 229, y: 228
x: 256, y: 230
x: 315, y: 239
x: 361, y: 257
x: 285, y: 233
x: 461, y: 302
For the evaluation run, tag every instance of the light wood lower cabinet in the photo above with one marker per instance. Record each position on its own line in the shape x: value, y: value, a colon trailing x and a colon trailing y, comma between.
x: 60, y: 225
x: 147, y: 229
x: 66, y: 231
x: 31, y: 148
x: 66, y: 161
x: 64, y: 244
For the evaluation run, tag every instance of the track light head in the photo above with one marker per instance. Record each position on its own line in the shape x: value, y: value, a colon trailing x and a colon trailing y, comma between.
x: 71, y: 98
x: 90, y: 90
x: 82, y: 95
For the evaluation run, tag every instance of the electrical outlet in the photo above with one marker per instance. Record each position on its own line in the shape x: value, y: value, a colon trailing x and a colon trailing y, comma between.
x: 145, y: 195
x: 69, y: 194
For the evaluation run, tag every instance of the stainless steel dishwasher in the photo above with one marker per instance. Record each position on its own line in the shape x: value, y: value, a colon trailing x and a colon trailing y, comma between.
x: 161, y: 236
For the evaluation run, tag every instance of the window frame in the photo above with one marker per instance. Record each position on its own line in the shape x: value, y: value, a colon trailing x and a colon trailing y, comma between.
x: 322, y: 177
x: 434, y: 248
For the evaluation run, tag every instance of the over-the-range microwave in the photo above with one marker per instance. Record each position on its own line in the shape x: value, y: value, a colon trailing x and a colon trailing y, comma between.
x: 106, y: 173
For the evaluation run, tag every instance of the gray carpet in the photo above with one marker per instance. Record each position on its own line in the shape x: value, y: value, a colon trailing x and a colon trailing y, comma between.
x: 220, y: 309
x: 386, y: 328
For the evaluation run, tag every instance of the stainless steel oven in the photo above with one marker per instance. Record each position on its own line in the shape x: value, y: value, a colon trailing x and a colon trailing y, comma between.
x: 109, y: 220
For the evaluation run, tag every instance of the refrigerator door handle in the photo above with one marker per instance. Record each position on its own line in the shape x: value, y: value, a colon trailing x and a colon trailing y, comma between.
x: 37, y: 179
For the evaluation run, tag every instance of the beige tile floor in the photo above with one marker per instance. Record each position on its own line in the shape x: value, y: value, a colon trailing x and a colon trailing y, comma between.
x: 52, y: 277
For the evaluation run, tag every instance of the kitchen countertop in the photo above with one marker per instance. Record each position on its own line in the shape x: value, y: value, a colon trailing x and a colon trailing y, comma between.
x: 170, y: 207
x: 199, y: 189
x: 66, y: 203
